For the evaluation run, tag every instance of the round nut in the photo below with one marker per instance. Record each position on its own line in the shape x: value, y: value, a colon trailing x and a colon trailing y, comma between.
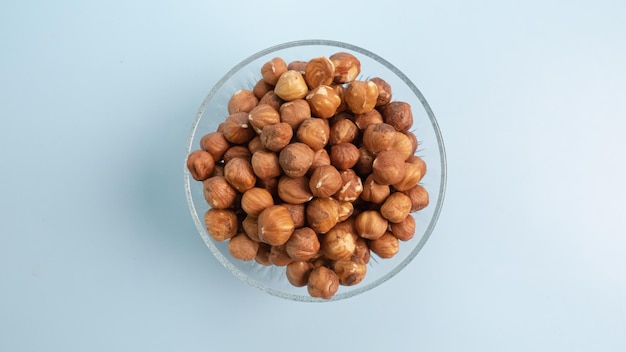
x: 378, y: 137
x: 294, y: 190
x: 386, y: 246
x: 412, y: 175
x: 322, y: 214
x: 297, y: 65
x: 218, y: 193
x: 419, y: 198
x: 294, y: 112
x: 402, y: 143
x: 298, y: 273
x: 398, y: 114
x: 351, y: 186
x: 388, y: 167
x: 364, y: 165
x: 291, y: 86
x: 344, y: 155
x: 349, y: 272
x: 338, y: 244
x: 296, y: 159
x: 323, y: 101
x: 236, y: 128
x: 242, y: 247
x: 272, y: 70
x: 303, y: 244
x: 215, y: 144
x: 276, y: 137
x: 221, y: 224
x: 361, y: 96
x: 278, y: 256
x: 384, y: 91
x: 325, y: 181
x: 255, y: 200
x: 243, y: 100
x: 405, y: 229
x: 275, y: 225
x: 323, y: 283
x: 320, y: 158
x: 346, y: 209
x: 414, y: 159
x: 238, y: 172
x: 200, y: 165
x: 314, y: 133
x: 396, y: 207
x: 263, y: 115
x: 236, y: 151
x: 265, y: 164
x: 272, y: 99
x: 368, y: 118
x: 343, y: 131
x: 261, y: 88
x: 370, y: 224
x: 374, y: 192
x: 347, y: 67
x: 319, y: 71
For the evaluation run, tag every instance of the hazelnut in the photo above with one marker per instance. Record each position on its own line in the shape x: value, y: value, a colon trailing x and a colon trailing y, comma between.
x: 349, y: 272
x: 361, y: 251
x: 200, y: 165
x: 298, y: 273
x: 320, y: 158
x: 378, y: 137
x: 319, y: 71
x: 221, y: 224
x: 388, y: 167
x: 275, y: 225
x: 263, y: 254
x: 278, y: 256
x: 272, y: 70
x: 296, y: 159
x: 402, y: 144
x: 346, y: 209
x: 343, y: 131
x: 322, y: 214
x: 238, y: 172
x: 338, y: 244
x: 344, y: 155
x: 323, y: 283
x: 242, y: 247
x: 413, y: 140
x: 323, y: 101
x: 236, y: 128
x: 291, y: 86
x: 418, y: 196
x: 215, y: 144
x: 396, y: 207
x: 325, y: 181
x: 255, y: 145
x: 303, y: 244
x: 364, y: 165
x: 351, y: 186
x: 361, y: 96
x: 414, y: 159
x: 276, y: 137
x: 236, y: 151
x: 297, y: 214
x: 265, y: 164
x: 347, y: 67
x: 314, y: 132
x: 370, y: 224
x: 263, y: 115
x: 405, y: 229
x: 218, y: 193
x: 386, y: 246
x: 255, y: 200
x: 294, y: 112
x: 368, y: 118
x: 272, y: 99
x: 261, y: 88
x: 297, y: 65
x: 398, y: 114
x: 374, y: 192
x: 243, y: 100
x: 412, y: 175
x: 294, y: 190
x: 384, y: 91
x: 250, y: 226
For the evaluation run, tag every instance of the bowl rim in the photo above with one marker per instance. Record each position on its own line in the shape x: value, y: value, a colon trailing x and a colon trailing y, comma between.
x: 361, y: 289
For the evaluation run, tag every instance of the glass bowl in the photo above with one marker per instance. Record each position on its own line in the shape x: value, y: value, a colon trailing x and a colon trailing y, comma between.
x: 272, y: 279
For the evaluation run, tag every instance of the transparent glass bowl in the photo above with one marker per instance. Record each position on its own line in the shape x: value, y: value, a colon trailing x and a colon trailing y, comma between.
x: 272, y: 279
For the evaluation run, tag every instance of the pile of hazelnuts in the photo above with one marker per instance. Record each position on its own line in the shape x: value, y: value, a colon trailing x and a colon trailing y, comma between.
x: 313, y: 169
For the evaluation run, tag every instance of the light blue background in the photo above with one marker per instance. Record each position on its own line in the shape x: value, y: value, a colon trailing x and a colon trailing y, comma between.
x: 98, y: 251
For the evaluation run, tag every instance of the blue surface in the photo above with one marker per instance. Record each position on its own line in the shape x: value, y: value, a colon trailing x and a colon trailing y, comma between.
x: 98, y: 251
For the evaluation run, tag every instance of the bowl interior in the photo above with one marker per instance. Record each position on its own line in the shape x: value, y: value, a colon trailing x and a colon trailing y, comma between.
x: 244, y: 76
